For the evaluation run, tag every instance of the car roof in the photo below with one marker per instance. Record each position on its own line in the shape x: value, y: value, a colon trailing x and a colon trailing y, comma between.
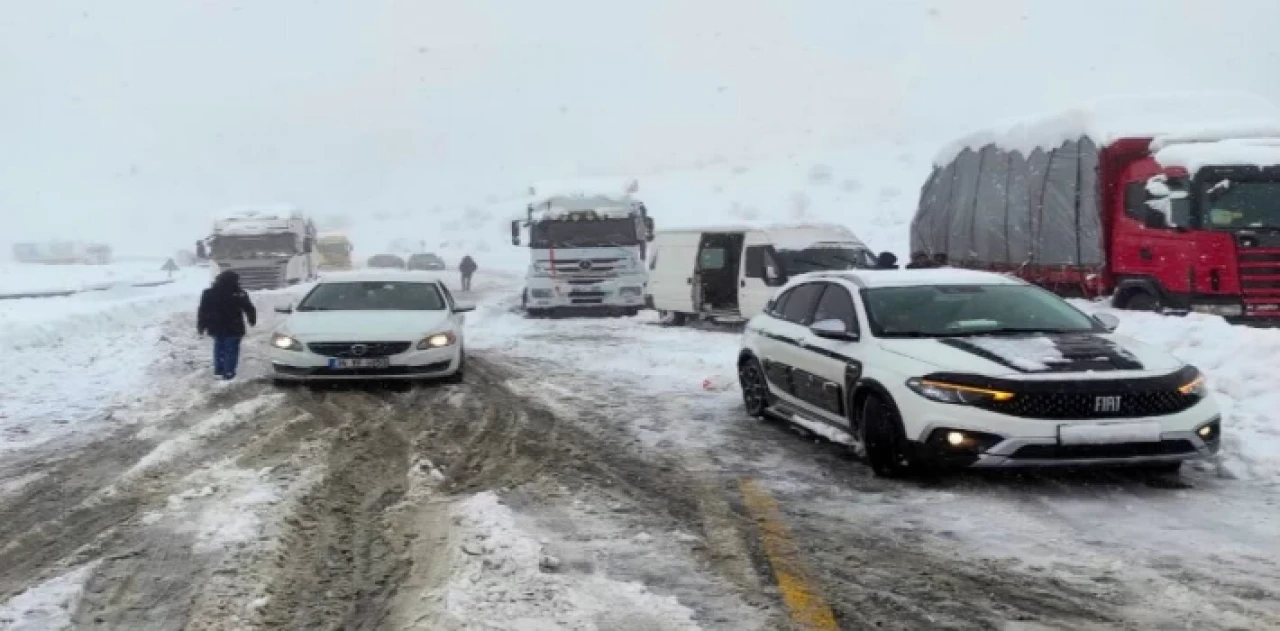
x: 871, y: 279
x: 379, y: 276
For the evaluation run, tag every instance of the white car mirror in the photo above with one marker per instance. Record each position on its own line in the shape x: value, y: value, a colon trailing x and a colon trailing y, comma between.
x: 463, y: 307
x: 833, y: 329
x: 286, y: 310
x: 1108, y: 321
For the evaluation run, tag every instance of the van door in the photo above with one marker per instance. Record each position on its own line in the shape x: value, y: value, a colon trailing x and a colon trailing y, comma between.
x: 671, y: 276
x: 760, y: 278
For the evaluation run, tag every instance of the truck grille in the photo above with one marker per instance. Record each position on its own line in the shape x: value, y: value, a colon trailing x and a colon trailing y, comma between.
x: 1082, y: 405
x: 348, y: 350
x: 252, y: 278
x: 587, y: 268
x: 1260, y: 281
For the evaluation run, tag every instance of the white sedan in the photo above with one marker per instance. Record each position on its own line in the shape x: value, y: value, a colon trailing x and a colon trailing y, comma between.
x: 371, y: 325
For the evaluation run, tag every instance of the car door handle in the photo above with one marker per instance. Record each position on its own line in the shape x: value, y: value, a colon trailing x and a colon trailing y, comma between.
x: 688, y: 281
x: 742, y: 283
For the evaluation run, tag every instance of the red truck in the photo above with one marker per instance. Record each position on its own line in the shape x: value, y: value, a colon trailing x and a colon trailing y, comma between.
x: 1159, y: 214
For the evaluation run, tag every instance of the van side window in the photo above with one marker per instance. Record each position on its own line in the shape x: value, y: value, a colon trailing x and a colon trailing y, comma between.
x: 755, y: 261
x: 799, y: 307
x: 711, y: 259
x: 837, y: 304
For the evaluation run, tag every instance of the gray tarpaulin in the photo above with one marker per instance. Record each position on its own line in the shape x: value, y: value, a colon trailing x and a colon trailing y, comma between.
x: 1001, y: 207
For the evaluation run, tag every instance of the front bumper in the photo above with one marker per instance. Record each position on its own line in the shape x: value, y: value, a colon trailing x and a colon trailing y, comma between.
x: 1029, y: 442
x: 612, y: 293
x: 414, y: 364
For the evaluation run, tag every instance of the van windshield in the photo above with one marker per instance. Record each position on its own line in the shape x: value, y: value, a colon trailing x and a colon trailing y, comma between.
x: 825, y: 259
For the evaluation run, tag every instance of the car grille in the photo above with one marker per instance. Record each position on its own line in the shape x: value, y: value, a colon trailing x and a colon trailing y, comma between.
x: 371, y: 349
x: 391, y: 371
x: 1114, y: 450
x: 1080, y: 405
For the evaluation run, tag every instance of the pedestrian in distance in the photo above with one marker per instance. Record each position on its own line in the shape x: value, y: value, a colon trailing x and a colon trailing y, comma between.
x: 886, y: 260
x: 467, y: 267
x: 224, y: 308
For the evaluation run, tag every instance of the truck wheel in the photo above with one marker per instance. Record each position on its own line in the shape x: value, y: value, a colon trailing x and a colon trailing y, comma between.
x: 1141, y: 301
x: 670, y: 318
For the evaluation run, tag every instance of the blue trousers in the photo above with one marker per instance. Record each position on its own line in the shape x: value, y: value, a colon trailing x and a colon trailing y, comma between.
x: 226, y: 355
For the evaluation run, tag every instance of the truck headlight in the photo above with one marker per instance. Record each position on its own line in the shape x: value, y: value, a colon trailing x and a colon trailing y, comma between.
x: 285, y: 343
x: 630, y: 291
x: 439, y: 340
x: 944, y: 392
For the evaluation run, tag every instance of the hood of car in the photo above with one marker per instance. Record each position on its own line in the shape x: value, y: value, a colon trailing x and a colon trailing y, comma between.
x: 365, y: 326
x: 1083, y: 355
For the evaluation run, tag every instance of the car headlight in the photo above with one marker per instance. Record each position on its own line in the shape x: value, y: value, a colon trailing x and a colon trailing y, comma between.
x: 439, y: 340
x: 1195, y: 385
x: 285, y: 343
x: 957, y: 394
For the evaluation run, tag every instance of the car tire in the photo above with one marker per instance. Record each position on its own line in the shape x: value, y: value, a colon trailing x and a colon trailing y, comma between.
x: 670, y: 318
x: 461, y: 373
x: 631, y: 313
x: 756, y: 397
x: 888, y: 452
x: 286, y: 384
x: 1162, y: 468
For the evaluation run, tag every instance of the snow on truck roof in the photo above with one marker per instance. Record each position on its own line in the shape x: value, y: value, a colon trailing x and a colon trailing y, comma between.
x: 1166, y: 117
x: 619, y: 190
x: 1241, y: 152
x: 259, y: 211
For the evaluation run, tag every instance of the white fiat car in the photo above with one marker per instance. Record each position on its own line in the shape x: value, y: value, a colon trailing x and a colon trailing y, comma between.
x: 957, y: 368
x: 371, y: 325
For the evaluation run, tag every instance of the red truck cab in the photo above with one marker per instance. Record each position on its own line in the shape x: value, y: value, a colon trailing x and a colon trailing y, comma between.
x: 1183, y: 220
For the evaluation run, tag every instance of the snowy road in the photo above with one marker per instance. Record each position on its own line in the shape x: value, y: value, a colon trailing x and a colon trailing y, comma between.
x: 588, y: 475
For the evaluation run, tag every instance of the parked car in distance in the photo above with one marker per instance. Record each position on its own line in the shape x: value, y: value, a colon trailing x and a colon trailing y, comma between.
x: 371, y: 325
x: 426, y: 261
x: 943, y: 368
x: 386, y: 261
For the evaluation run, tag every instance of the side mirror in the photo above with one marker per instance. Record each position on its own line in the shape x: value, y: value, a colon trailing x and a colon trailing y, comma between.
x: 648, y: 228
x: 515, y: 233
x: 773, y: 276
x: 285, y: 310
x: 768, y: 306
x: 1108, y: 321
x: 833, y: 330
x: 463, y: 307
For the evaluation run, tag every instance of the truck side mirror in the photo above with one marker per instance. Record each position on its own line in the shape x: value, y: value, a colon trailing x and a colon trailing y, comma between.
x: 515, y: 233
x: 648, y: 228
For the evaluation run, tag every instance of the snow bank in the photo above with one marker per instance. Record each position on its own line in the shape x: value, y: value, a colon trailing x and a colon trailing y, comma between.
x: 1240, y: 366
x: 17, y: 278
x: 500, y: 578
x: 1108, y: 119
x: 1256, y: 152
x: 47, y: 606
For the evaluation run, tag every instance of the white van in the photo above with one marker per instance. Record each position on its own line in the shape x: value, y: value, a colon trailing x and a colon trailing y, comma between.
x: 728, y: 273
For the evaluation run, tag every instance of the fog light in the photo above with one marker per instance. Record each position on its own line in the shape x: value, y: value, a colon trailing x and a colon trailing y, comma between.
x: 1205, y: 431
x: 540, y: 293
x: 955, y: 439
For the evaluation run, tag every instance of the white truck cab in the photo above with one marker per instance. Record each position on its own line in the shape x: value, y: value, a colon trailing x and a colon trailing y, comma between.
x: 271, y: 246
x: 728, y: 273
x: 587, y: 252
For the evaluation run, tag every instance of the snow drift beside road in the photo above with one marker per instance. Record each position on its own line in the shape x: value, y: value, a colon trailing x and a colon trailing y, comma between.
x: 18, y: 278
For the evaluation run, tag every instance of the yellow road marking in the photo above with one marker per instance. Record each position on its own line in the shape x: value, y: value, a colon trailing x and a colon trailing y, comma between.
x: 805, y: 603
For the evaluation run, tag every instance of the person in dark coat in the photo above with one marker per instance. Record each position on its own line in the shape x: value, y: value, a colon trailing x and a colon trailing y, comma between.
x: 886, y: 260
x: 224, y: 307
x: 467, y: 267
x: 200, y: 251
x: 919, y: 260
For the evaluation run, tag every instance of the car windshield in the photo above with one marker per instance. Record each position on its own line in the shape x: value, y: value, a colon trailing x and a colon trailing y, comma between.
x: 583, y: 233
x: 253, y: 246
x: 374, y: 296
x: 958, y: 310
x: 1242, y: 204
x: 825, y: 259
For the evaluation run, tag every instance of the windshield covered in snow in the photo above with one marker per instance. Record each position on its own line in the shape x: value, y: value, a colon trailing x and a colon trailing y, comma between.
x: 373, y: 296
x: 583, y: 233
x: 253, y: 246
x: 957, y: 310
x: 1241, y: 204
x: 825, y: 259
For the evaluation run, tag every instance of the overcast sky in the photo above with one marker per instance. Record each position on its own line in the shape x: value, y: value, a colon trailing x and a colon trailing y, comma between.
x: 132, y: 120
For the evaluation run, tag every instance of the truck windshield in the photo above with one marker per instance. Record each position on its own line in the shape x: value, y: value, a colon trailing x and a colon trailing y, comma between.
x: 253, y: 246
x: 584, y: 233
x: 1241, y: 204
x: 825, y: 259
x: 333, y: 249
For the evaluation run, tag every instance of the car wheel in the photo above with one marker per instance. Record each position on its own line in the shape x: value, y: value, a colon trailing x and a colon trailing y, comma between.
x: 670, y: 318
x: 755, y: 390
x: 287, y: 384
x: 886, y: 445
x: 1165, y: 468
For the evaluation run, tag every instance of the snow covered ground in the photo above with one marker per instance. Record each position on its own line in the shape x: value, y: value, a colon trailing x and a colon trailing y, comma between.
x: 17, y: 278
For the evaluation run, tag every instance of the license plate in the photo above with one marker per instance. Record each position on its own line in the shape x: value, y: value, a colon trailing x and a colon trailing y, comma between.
x: 347, y: 364
x: 1108, y: 433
